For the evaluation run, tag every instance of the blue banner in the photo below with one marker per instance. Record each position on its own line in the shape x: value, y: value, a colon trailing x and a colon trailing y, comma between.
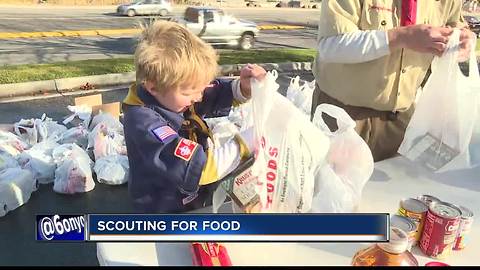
x: 60, y: 228
x: 240, y: 227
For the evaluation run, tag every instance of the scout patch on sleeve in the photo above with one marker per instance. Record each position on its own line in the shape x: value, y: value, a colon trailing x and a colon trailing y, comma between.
x: 185, y: 149
x: 164, y: 133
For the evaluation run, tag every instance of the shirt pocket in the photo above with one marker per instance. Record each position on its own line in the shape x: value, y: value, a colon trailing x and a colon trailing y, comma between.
x: 378, y: 15
x: 434, y: 15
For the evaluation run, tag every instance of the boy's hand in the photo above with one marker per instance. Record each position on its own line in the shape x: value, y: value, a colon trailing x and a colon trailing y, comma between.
x: 250, y: 71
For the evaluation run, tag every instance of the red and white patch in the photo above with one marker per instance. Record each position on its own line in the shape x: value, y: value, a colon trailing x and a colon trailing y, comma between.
x: 185, y: 149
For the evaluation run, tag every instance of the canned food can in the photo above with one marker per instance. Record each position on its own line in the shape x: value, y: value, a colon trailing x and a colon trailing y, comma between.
x: 407, y: 225
x: 464, y: 227
x: 440, y: 231
x: 416, y: 211
x: 436, y: 264
x: 428, y: 199
x: 210, y: 254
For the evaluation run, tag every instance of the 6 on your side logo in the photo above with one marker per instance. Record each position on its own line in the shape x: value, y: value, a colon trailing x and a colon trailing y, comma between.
x: 60, y: 227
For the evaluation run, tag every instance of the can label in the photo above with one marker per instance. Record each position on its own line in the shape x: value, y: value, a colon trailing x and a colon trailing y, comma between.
x: 241, y: 188
x: 417, y: 218
x: 462, y: 235
x: 438, y: 235
x: 407, y: 225
x: 210, y: 254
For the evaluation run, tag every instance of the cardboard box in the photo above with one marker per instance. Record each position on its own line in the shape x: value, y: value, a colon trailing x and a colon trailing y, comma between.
x: 96, y: 103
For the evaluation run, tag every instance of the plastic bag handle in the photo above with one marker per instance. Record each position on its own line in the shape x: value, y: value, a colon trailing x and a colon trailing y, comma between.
x: 453, y: 46
x: 344, y: 121
x: 295, y: 81
x: 473, y: 65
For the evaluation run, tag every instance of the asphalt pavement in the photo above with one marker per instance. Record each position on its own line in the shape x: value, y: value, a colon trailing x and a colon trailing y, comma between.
x: 17, y: 238
x: 34, y: 18
x: 48, y: 50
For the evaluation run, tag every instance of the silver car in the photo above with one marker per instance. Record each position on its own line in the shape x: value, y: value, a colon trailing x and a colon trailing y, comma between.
x: 145, y: 7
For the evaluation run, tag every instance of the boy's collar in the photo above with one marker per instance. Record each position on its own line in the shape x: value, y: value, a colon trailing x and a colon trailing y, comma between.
x: 146, y: 97
x: 174, y: 118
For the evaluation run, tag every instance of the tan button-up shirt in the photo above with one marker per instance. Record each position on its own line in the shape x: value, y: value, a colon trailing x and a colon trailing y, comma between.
x: 388, y: 83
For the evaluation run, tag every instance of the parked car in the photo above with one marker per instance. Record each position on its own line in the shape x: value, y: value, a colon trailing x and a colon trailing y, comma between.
x: 145, y: 7
x: 473, y: 24
x: 217, y: 28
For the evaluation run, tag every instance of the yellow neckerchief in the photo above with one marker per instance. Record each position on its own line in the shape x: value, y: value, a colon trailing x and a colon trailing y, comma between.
x: 197, y: 121
x: 191, y: 121
x: 132, y: 96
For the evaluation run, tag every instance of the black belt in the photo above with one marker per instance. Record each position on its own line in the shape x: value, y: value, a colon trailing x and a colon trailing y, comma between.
x: 392, y: 116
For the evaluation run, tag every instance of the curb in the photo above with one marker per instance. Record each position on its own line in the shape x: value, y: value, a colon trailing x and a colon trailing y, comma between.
x: 109, y: 32
x: 280, y: 27
x: 68, y: 33
x: 69, y: 84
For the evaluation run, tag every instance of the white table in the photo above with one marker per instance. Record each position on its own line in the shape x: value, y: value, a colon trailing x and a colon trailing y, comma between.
x: 391, y: 181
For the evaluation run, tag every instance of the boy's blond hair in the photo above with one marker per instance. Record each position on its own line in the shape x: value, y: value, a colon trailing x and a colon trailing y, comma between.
x: 170, y: 56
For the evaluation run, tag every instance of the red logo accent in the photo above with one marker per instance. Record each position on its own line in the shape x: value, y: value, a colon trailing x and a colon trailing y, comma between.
x: 379, y: 8
x: 185, y: 149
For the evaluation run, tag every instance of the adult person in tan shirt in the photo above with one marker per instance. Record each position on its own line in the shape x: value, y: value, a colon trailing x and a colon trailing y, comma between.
x: 373, y: 56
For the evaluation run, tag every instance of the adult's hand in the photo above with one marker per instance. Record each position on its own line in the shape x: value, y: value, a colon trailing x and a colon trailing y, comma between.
x: 420, y: 38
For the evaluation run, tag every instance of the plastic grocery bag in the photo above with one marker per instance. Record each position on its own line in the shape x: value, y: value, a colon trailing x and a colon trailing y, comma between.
x: 73, y: 174
x: 301, y: 95
x: 339, y: 183
x: 106, y: 141
x: 39, y: 161
x: 11, y: 144
x: 112, y: 170
x: 77, y: 135
x: 289, y: 152
x: 444, y: 132
x: 16, y: 186
x: 7, y: 161
x: 37, y: 130
x: 108, y: 120
x: 241, y: 115
x: 82, y: 112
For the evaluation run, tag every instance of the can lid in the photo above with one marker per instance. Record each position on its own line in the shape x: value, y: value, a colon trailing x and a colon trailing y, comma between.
x: 466, y: 213
x: 428, y: 198
x: 398, y: 241
x: 445, y: 210
x: 414, y: 205
x: 404, y: 223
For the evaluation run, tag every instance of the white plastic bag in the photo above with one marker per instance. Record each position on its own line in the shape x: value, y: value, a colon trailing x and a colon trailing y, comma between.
x: 108, y: 120
x: 73, y: 174
x: 241, y: 116
x: 112, y: 170
x: 290, y: 150
x: 443, y: 133
x: 39, y: 161
x: 106, y: 141
x: 77, y: 135
x: 7, y: 161
x: 11, y: 144
x: 83, y: 112
x: 37, y: 130
x: 223, y: 132
x: 301, y: 95
x: 16, y: 187
x: 339, y: 184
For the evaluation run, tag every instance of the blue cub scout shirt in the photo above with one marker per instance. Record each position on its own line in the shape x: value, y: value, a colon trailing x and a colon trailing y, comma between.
x: 167, y: 150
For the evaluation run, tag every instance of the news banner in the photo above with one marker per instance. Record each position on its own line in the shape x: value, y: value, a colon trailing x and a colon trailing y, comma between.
x: 215, y: 227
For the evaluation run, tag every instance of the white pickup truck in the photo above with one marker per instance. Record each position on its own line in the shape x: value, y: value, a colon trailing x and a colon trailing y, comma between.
x: 216, y: 28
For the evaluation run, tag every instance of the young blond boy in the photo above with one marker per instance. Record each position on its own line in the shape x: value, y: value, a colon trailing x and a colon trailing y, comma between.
x: 174, y: 165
